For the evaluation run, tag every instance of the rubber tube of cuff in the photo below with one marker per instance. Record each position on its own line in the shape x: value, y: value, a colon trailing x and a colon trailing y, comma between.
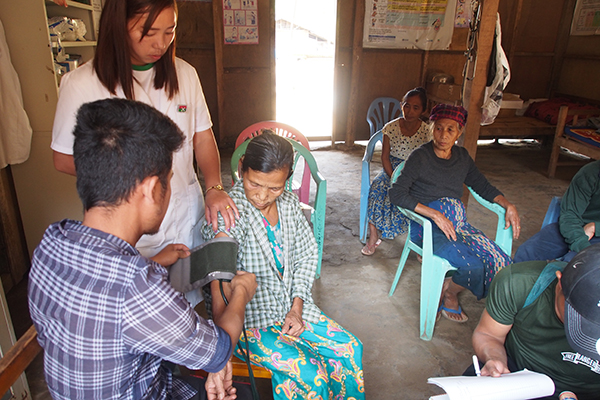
x: 246, y: 354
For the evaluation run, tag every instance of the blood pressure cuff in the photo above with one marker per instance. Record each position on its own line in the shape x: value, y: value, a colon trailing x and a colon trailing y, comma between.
x: 214, y: 259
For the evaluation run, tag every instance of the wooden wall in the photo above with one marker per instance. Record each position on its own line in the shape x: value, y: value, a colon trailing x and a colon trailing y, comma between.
x: 543, y: 57
x: 380, y: 72
x: 196, y: 45
x: 530, y: 36
x: 238, y: 80
x: 579, y: 75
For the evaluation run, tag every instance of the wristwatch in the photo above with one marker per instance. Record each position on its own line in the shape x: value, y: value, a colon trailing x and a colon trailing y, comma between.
x: 218, y: 187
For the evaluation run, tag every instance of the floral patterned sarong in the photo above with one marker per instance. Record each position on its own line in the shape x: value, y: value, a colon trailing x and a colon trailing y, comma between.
x: 325, y: 362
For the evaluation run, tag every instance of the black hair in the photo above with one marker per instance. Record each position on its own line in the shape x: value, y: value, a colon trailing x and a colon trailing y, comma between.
x: 112, y: 62
x: 418, y: 91
x: 268, y: 152
x: 118, y: 144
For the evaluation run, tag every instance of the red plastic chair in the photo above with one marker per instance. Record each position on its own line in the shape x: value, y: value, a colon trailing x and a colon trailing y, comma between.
x: 287, y: 131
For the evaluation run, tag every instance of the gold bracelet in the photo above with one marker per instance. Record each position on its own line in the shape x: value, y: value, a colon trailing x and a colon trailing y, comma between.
x: 218, y: 187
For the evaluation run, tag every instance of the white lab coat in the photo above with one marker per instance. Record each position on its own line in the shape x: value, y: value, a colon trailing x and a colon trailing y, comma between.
x: 15, y: 130
x: 188, y: 109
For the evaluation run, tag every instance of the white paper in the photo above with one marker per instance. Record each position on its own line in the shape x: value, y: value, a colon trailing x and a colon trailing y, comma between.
x: 520, y: 385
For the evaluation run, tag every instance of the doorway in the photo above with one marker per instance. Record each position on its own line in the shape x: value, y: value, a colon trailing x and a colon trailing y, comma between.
x: 304, y: 57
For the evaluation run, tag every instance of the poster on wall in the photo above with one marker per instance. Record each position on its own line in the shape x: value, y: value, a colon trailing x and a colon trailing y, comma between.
x: 586, y: 19
x: 240, y: 21
x: 409, y: 24
x: 463, y: 14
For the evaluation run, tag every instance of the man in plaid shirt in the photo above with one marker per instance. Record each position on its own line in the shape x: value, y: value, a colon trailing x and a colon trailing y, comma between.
x: 107, y: 317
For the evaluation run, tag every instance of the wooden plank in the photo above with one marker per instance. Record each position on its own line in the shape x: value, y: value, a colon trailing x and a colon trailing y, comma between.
x: 359, y: 20
x: 218, y: 29
x: 516, y: 25
x: 486, y: 37
x: 240, y: 368
x: 516, y: 127
x: 562, y: 42
x: 12, y: 227
x: 18, y: 358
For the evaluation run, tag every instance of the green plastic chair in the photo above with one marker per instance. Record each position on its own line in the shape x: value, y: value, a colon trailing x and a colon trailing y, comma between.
x: 317, y: 211
x: 434, y: 268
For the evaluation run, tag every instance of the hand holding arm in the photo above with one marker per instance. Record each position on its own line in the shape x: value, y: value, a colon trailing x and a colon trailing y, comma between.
x: 293, y: 324
x: 440, y: 220
x: 488, y: 342
x: 209, y: 162
x: 512, y: 216
x: 170, y: 254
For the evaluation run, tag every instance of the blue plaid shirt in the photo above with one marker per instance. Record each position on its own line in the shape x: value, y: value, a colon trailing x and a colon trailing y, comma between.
x: 107, y: 317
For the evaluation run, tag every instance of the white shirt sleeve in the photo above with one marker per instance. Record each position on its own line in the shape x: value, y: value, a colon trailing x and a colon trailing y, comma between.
x: 77, y: 87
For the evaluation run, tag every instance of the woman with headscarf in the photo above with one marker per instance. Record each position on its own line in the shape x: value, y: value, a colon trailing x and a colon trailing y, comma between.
x: 431, y: 184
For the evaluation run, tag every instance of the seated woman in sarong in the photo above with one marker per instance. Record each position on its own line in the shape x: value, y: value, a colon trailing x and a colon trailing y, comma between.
x: 310, y: 355
x: 431, y: 184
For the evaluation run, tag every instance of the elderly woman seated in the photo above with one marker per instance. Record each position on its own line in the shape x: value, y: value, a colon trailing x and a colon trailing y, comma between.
x: 310, y: 355
x: 431, y: 184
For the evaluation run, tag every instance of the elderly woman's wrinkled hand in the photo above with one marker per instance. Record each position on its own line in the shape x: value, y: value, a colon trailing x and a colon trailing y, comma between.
x: 445, y: 226
x: 293, y: 324
x: 512, y: 219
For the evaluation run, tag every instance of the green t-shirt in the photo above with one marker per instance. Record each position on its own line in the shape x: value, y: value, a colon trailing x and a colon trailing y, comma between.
x: 537, y: 339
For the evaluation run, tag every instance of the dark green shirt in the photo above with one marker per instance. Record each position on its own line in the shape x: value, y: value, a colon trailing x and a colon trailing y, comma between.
x: 537, y: 339
x: 581, y: 205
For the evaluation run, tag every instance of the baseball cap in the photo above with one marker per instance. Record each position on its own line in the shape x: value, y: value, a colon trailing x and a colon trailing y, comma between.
x: 581, y: 287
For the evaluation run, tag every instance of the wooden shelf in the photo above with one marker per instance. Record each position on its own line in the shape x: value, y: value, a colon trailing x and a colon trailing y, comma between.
x: 74, y: 4
x: 67, y: 44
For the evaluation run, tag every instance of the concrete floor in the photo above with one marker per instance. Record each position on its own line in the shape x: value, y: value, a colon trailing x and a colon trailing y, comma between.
x: 354, y: 289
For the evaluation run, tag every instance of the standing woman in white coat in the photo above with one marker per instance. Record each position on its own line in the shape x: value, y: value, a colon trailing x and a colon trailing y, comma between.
x: 135, y: 59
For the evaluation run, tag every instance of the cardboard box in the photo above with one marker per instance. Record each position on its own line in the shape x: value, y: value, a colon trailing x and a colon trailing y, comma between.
x: 445, y: 91
x: 511, y: 101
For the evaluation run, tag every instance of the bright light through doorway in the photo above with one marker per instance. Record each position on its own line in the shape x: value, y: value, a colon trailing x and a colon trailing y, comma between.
x: 305, y: 50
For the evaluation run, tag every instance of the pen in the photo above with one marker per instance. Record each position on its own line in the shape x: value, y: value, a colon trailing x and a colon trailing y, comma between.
x: 476, y: 365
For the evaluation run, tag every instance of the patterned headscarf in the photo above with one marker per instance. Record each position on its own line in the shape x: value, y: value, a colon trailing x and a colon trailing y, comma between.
x: 455, y: 113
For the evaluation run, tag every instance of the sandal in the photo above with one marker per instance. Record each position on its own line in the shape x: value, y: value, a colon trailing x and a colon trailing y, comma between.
x: 445, y: 311
x: 369, y: 250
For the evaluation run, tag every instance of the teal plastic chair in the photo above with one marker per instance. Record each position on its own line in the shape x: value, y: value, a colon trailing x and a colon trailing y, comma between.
x: 317, y: 211
x: 365, y: 184
x: 381, y: 111
x: 434, y: 268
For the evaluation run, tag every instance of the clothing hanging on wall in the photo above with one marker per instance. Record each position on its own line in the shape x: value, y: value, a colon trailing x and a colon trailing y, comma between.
x: 498, y: 78
x: 15, y: 130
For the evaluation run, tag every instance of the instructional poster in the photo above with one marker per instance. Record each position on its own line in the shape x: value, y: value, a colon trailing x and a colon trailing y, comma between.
x: 240, y: 21
x: 426, y: 25
x: 586, y: 19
